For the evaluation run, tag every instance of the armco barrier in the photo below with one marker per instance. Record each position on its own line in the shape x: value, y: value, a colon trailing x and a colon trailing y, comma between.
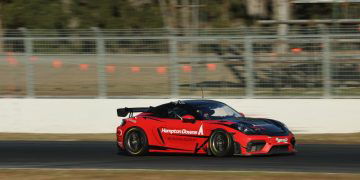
x: 99, y: 115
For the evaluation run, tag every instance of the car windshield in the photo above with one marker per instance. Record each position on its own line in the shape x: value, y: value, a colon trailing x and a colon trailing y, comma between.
x: 216, y: 111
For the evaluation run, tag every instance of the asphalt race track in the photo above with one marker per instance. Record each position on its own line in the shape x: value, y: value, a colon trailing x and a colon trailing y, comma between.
x: 311, y: 157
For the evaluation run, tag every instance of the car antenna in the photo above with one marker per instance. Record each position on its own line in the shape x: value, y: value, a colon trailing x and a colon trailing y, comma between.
x: 202, y: 93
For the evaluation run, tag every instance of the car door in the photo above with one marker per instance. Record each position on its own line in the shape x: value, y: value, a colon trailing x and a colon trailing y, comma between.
x: 180, y: 134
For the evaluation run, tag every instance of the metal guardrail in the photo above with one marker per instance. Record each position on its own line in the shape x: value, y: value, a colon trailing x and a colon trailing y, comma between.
x: 158, y: 63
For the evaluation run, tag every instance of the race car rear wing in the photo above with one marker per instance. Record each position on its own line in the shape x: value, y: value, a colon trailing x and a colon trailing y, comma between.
x: 123, y: 112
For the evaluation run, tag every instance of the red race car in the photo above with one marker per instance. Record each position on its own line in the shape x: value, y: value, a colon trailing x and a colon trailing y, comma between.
x: 200, y: 127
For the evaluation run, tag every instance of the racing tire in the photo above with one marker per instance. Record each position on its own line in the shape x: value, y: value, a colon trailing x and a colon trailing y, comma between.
x: 221, y: 144
x: 136, y: 143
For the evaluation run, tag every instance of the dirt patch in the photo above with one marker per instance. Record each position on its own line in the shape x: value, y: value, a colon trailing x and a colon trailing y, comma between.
x: 39, y: 174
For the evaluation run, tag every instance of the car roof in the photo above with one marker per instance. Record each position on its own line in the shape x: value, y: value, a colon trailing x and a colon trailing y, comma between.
x: 191, y: 103
x: 199, y: 101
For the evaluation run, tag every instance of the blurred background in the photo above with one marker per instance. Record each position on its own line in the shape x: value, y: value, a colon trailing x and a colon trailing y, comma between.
x: 179, y: 48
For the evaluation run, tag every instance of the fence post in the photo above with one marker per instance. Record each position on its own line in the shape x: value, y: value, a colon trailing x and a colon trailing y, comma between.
x: 100, y: 64
x: 326, y: 66
x: 174, y: 77
x: 28, y: 49
x: 249, y: 67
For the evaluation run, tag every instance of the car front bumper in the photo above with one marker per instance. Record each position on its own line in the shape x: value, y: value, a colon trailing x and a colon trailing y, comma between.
x: 265, y: 145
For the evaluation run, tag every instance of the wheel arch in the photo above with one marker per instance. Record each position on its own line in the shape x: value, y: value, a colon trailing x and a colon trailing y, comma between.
x: 232, y: 146
x: 132, y: 127
x: 146, y: 145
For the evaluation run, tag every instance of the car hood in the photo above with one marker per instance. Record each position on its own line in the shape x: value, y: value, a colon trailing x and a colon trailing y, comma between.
x: 261, y: 126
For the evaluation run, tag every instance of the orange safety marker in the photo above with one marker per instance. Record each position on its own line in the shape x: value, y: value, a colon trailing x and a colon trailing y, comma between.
x: 186, y: 68
x: 110, y: 68
x: 57, y: 63
x: 296, y: 50
x: 12, y: 61
x: 10, y: 53
x: 211, y: 67
x: 84, y: 67
x: 34, y: 58
x: 135, y: 69
x: 161, y: 70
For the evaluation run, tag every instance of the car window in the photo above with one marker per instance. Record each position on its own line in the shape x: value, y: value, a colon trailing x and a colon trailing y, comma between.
x: 216, y: 111
x: 171, y: 111
x: 162, y: 111
x: 177, y: 112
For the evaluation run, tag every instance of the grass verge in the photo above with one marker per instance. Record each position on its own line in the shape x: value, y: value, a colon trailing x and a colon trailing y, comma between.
x: 335, y: 138
x: 346, y: 138
x: 39, y: 174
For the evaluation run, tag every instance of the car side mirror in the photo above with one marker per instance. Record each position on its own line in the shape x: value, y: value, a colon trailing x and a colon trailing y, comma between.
x: 188, y: 118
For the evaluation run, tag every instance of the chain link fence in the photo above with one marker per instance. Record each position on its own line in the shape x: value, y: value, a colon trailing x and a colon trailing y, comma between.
x: 223, y: 63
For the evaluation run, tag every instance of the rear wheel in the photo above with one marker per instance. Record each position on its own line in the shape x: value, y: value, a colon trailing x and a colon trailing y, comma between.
x: 221, y: 144
x: 136, y: 143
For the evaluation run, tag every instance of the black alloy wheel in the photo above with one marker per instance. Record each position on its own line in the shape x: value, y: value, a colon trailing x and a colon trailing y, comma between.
x: 136, y: 143
x: 221, y: 143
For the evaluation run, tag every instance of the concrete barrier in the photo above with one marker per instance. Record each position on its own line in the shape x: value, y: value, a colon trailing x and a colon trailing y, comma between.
x: 99, y: 115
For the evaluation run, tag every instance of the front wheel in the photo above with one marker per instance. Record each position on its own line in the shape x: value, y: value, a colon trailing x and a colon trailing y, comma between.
x: 221, y: 144
x: 136, y: 143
